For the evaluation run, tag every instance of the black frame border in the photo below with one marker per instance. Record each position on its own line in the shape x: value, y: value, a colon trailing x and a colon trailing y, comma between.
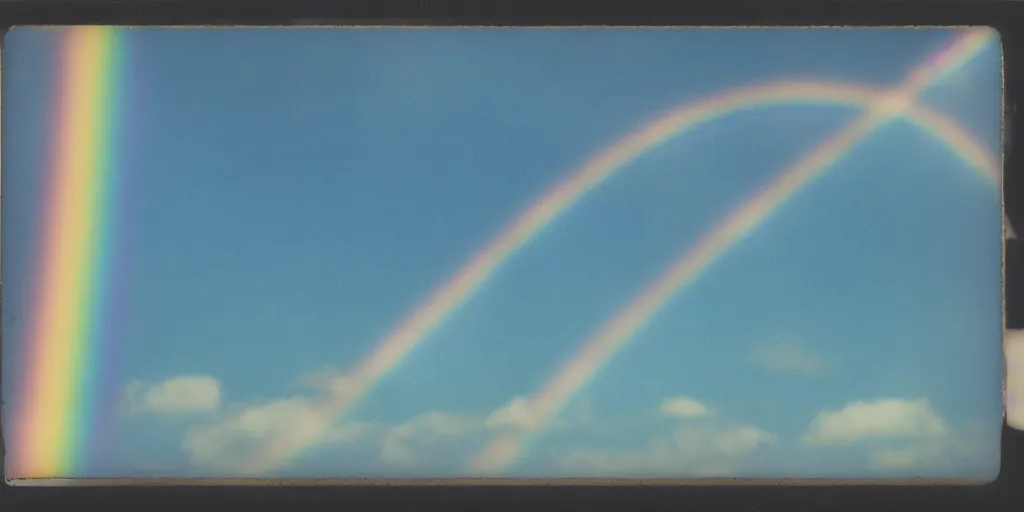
x: 1006, y: 493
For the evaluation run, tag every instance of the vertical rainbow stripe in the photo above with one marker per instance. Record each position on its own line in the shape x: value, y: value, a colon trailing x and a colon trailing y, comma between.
x: 59, y: 379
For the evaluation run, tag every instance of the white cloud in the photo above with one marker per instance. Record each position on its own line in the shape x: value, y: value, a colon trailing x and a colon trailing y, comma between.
x: 706, y: 450
x: 690, y: 452
x: 178, y: 395
x: 234, y: 437
x: 787, y: 357
x: 434, y: 435
x: 411, y: 443
x: 741, y: 440
x: 521, y: 414
x: 684, y: 407
x: 440, y: 441
x: 226, y: 442
x: 885, y: 418
x: 445, y: 439
x: 517, y: 413
x: 969, y: 448
x: 1013, y: 344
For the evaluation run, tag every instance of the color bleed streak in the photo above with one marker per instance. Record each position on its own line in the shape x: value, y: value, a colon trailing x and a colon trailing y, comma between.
x: 390, y: 351
x: 614, y: 334
x: 48, y: 437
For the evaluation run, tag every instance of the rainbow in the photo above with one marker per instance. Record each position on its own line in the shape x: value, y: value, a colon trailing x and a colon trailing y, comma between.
x: 51, y: 427
x: 596, y: 351
x: 398, y: 343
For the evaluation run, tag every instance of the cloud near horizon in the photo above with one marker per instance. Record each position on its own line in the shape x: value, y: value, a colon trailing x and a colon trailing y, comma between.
x: 224, y: 442
x: 707, y: 450
x: 905, y: 437
x: 887, y: 418
x: 427, y: 436
x: 180, y: 395
x: 227, y: 441
x: 442, y: 438
x: 953, y: 452
x: 905, y: 434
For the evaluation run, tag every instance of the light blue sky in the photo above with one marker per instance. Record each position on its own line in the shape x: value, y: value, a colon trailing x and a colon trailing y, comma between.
x: 290, y: 195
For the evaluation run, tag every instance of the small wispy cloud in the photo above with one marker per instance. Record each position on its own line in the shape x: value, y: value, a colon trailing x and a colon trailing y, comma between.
x: 684, y: 407
x: 520, y: 413
x: 788, y: 357
x: 517, y: 413
x: 175, y: 396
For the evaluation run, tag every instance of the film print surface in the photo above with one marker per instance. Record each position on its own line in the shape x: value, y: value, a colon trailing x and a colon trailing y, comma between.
x: 510, y: 253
